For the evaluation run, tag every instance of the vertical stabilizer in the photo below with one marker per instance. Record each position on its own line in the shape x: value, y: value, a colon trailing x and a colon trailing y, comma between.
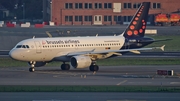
x: 137, y: 26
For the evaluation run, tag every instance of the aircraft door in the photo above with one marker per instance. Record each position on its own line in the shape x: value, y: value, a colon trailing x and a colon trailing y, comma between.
x: 38, y: 47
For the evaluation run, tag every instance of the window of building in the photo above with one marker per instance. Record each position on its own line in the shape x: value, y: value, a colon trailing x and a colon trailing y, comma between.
x: 98, y: 5
x: 156, y: 5
x: 107, y: 18
x: 88, y: 18
x: 88, y: 5
x: 68, y: 5
x: 117, y: 18
x: 127, y: 18
x: 78, y: 18
x: 95, y: 18
x: 127, y: 5
x: 107, y: 5
x: 68, y: 18
x: 136, y: 5
x: 99, y: 18
x: 78, y: 5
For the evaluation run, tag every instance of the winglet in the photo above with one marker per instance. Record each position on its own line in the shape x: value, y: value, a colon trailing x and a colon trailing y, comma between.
x: 162, y: 47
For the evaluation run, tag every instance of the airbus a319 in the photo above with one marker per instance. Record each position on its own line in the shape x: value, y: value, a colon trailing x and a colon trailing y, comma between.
x: 83, y: 52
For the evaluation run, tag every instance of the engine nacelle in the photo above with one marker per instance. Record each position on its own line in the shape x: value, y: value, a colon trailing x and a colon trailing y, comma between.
x: 80, y: 61
x: 38, y: 64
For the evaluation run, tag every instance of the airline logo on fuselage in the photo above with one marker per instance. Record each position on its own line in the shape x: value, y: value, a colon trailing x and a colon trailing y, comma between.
x: 60, y: 41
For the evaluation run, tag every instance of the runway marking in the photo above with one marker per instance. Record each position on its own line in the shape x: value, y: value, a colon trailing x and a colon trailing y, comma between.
x: 175, y: 83
x: 121, y: 82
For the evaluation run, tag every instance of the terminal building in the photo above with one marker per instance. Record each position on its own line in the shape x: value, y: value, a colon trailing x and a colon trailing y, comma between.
x: 102, y: 12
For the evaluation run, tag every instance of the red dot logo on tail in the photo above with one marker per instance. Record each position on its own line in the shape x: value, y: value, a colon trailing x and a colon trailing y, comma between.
x: 134, y: 22
x: 129, y: 33
x: 136, y: 18
x: 140, y: 31
x: 135, y: 32
x: 132, y: 27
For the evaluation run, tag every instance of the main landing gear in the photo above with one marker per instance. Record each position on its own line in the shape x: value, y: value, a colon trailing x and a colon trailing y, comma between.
x: 65, y: 66
x: 94, y: 67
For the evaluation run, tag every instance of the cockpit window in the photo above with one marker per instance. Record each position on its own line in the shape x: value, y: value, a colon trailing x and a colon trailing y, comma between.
x: 22, y: 46
x: 27, y: 46
x: 18, y: 46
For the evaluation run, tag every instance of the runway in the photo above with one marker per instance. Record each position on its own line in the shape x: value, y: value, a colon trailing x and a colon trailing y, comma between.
x: 107, y: 75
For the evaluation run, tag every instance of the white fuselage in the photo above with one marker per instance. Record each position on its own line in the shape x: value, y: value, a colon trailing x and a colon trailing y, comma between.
x: 47, y: 49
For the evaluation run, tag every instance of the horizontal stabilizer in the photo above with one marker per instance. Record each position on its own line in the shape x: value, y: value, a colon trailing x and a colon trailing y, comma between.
x: 135, y: 51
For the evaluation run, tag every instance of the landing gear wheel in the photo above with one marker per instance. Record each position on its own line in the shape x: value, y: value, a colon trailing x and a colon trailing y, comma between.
x: 94, y: 68
x: 31, y: 69
x: 65, y: 66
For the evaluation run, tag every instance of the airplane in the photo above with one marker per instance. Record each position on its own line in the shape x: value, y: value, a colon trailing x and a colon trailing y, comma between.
x: 83, y: 52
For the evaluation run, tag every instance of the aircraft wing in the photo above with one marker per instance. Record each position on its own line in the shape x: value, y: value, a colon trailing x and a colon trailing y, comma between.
x: 114, y: 51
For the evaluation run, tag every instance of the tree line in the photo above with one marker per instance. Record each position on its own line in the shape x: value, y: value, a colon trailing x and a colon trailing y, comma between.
x: 23, y: 9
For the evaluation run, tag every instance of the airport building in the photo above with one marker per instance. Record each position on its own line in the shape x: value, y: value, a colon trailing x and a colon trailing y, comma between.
x: 102, y: 12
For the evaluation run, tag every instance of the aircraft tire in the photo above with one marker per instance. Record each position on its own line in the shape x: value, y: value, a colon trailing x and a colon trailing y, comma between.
x: 94, y: 68
x: 31, y: 69
x: 65, y: 67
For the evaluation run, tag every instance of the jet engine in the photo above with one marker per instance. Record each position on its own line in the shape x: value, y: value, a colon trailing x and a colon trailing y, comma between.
x: 37, y: 64
x: 80, y: 61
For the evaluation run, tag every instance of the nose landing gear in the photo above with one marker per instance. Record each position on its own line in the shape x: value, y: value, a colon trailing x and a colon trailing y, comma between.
x: 32, y: 63
x: 31, y: 69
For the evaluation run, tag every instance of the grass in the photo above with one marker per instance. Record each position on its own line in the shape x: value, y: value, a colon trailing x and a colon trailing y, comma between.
x: 100, y: 88
x: 8, y: 62
x: 171, y: 45
x: 139, y: 61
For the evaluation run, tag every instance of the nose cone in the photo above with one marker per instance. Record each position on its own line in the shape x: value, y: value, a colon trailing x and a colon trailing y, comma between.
x: 13, y: 54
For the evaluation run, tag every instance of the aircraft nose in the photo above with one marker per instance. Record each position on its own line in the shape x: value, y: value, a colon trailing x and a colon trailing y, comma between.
x: 13, y: 54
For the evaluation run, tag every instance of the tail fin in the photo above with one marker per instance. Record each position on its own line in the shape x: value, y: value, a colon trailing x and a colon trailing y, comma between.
x: 137, y: 26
